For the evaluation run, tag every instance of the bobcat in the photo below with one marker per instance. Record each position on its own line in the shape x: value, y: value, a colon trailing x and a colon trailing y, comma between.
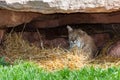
x: 80, y: 39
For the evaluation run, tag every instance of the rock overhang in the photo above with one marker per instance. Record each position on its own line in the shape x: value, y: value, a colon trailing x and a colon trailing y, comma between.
x: 61, y: 6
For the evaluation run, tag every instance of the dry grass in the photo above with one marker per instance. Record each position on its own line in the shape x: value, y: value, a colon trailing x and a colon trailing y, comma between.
x: 51, y: 59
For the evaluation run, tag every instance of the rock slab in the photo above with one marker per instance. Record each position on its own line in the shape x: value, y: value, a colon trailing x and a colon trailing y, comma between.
x: 61, y: 6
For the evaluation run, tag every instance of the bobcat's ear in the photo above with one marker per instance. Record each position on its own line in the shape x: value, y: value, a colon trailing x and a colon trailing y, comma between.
x: 69, y: 28
x: 82, y: 32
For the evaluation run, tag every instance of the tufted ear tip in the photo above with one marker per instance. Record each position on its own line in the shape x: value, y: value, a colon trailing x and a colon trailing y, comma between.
x: 69, y: 28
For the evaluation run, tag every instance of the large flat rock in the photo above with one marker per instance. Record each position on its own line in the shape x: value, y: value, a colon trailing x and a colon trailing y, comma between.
x: 61, y: 6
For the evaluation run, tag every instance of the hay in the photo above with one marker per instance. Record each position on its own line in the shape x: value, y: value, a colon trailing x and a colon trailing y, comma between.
x: 15, y: 48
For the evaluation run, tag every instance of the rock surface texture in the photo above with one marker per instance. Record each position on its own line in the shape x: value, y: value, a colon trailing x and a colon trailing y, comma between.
x: 61, y: 6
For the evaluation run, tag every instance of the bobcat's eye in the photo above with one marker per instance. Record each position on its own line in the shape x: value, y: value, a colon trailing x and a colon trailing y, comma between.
x: 72, y: 41
x: 75, y: 41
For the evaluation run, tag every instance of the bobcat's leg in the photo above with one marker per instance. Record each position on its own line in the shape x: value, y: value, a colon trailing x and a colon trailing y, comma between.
x: 88, y: 50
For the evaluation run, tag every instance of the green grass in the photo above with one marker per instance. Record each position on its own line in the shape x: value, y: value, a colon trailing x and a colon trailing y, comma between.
x: 3, y: 62
x: 30, y: 71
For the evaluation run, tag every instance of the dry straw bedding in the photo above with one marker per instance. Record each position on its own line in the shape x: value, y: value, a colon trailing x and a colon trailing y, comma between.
x: 15, y: 48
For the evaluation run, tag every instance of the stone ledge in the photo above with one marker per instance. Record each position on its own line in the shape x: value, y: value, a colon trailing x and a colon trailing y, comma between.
x: 61, y: 6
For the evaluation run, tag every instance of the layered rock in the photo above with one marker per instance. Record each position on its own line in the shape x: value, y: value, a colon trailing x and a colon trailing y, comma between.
x: 61, y: 6
x: 16, y: 12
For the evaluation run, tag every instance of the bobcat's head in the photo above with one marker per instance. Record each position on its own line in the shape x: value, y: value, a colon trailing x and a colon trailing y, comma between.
x: 75, y: 37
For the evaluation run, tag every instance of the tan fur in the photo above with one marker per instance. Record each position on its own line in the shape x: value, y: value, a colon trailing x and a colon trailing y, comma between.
x: 82, y: 40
